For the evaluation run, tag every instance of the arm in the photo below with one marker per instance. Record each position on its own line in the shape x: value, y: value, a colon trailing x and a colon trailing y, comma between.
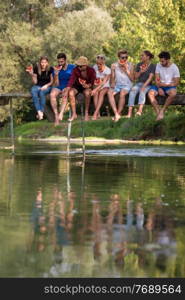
x: 175, y: 81
x: 105, y: 79
x: 44, y: 87
x: 55, y: 77
x: 92, y: 79
x: 130, y: 72
x: 147, y: 82
x: 33, y: 76
x: 72, y: 79
x: 112, y: 76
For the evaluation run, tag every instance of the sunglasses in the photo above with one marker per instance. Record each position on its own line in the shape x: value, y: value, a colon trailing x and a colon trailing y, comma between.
x: 81, y: 66
x: 99, y: 56
x: 123, y: 57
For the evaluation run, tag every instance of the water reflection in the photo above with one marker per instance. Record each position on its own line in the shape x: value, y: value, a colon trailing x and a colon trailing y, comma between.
x: 93, y: 218
x: 117, y: 238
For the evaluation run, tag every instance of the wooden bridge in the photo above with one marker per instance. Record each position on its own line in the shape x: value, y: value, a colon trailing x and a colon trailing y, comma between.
x: 9, y: 98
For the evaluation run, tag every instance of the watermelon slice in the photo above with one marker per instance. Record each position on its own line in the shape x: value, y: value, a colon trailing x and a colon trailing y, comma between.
x: 122, y: 62
x: 143, y: 66
x: 29, y: 68
x: 58, y: 68
x: 97, y: 81
x: 82, y: 81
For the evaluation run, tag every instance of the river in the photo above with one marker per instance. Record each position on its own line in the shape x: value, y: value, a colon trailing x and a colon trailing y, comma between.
x: 119, y: 213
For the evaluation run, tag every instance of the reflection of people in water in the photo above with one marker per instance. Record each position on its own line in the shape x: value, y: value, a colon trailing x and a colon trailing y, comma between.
x: 52, y: 228
x: 117, y: 241
x: 96, y: 227
x: 39, y: 232
x: 162, y: 238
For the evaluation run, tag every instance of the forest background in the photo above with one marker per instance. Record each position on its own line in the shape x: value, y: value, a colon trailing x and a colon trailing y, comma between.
x: 32, y: 28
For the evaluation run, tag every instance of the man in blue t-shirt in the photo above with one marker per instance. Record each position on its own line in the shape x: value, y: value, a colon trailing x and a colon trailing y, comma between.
x: 61, y: 75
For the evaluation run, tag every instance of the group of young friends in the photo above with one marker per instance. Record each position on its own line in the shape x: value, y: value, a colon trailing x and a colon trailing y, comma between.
x: 68, y: 80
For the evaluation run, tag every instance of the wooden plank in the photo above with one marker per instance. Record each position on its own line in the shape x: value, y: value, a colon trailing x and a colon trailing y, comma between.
x: 4, y: 98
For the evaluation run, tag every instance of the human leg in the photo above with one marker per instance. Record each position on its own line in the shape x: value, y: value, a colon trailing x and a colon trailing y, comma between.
x: 95, y: 99
x: 35, y: 97
x: 63, y: 104
x: 142, y: 100
x: 152, y: 97
x: 132, y: 95
x: 72, y: 94
x: 112, y: 102
x: 42, y: 95
x: 53, y: 100
x: 121, y: 102
x: 171, y: 95
x: 102, y: 93
x: 87, y: 94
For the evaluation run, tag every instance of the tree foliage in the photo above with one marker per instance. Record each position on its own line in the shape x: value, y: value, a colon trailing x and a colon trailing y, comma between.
x: 31, y: 28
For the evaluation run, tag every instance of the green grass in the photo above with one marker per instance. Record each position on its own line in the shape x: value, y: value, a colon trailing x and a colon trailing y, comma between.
x: 143, y: 128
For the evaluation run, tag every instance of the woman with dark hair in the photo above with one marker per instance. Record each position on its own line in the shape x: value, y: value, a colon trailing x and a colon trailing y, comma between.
x: 42, y: 78
x: 143, y: 75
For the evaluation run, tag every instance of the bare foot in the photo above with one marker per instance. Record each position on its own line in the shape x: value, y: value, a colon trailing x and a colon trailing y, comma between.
x: 56, y: 120
x: 86, y: 117
x: 160, y: 116
x: 40, y: 115
x: 60, y: 116
x: 128, y: 116
x: 117, y: 117
x: 73, y: 117
x: 138, y: 113
x: 94, y: 117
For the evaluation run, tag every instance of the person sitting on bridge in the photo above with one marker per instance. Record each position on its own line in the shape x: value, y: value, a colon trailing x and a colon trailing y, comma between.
x: 167, y: 77
x: 61, y: 74
x: 144, y: 74
x: 42, y: 78
x: 121, y: 81
x: 101, y: 84
x: 81, y: 81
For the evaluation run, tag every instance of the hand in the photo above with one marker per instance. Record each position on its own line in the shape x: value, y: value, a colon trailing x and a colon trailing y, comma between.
x: 142, y: 89
x: 93, y: 92
x: 29, y: 70
x: 113, y: 67
x: 143, y: 68
x: 85, y: 86
x: 57, y: 69
x: 44, y: 87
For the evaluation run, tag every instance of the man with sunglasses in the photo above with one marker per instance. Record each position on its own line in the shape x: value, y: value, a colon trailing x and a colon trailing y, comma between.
x: 81, y: 81
x: 121, y: 82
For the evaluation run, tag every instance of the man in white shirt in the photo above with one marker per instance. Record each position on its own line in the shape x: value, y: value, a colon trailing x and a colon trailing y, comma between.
x: 167, y: 77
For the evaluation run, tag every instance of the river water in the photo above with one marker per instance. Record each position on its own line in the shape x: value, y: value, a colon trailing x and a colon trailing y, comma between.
x: 119, y: 213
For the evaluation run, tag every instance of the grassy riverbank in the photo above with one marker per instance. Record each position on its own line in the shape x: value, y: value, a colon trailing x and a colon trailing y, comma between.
x: 144, y: 128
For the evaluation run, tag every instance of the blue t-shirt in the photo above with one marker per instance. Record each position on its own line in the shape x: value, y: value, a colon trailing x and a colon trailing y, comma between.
x: 64, y: 76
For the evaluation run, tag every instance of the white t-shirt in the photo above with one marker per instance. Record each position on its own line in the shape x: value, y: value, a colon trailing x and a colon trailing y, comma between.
x: 121, y: 77
x: 102, y: 75
x: 167, y: 73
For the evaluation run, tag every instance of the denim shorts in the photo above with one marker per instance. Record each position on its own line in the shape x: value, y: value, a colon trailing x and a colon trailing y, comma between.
x: 164, y: 88
x: 120, y: 87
